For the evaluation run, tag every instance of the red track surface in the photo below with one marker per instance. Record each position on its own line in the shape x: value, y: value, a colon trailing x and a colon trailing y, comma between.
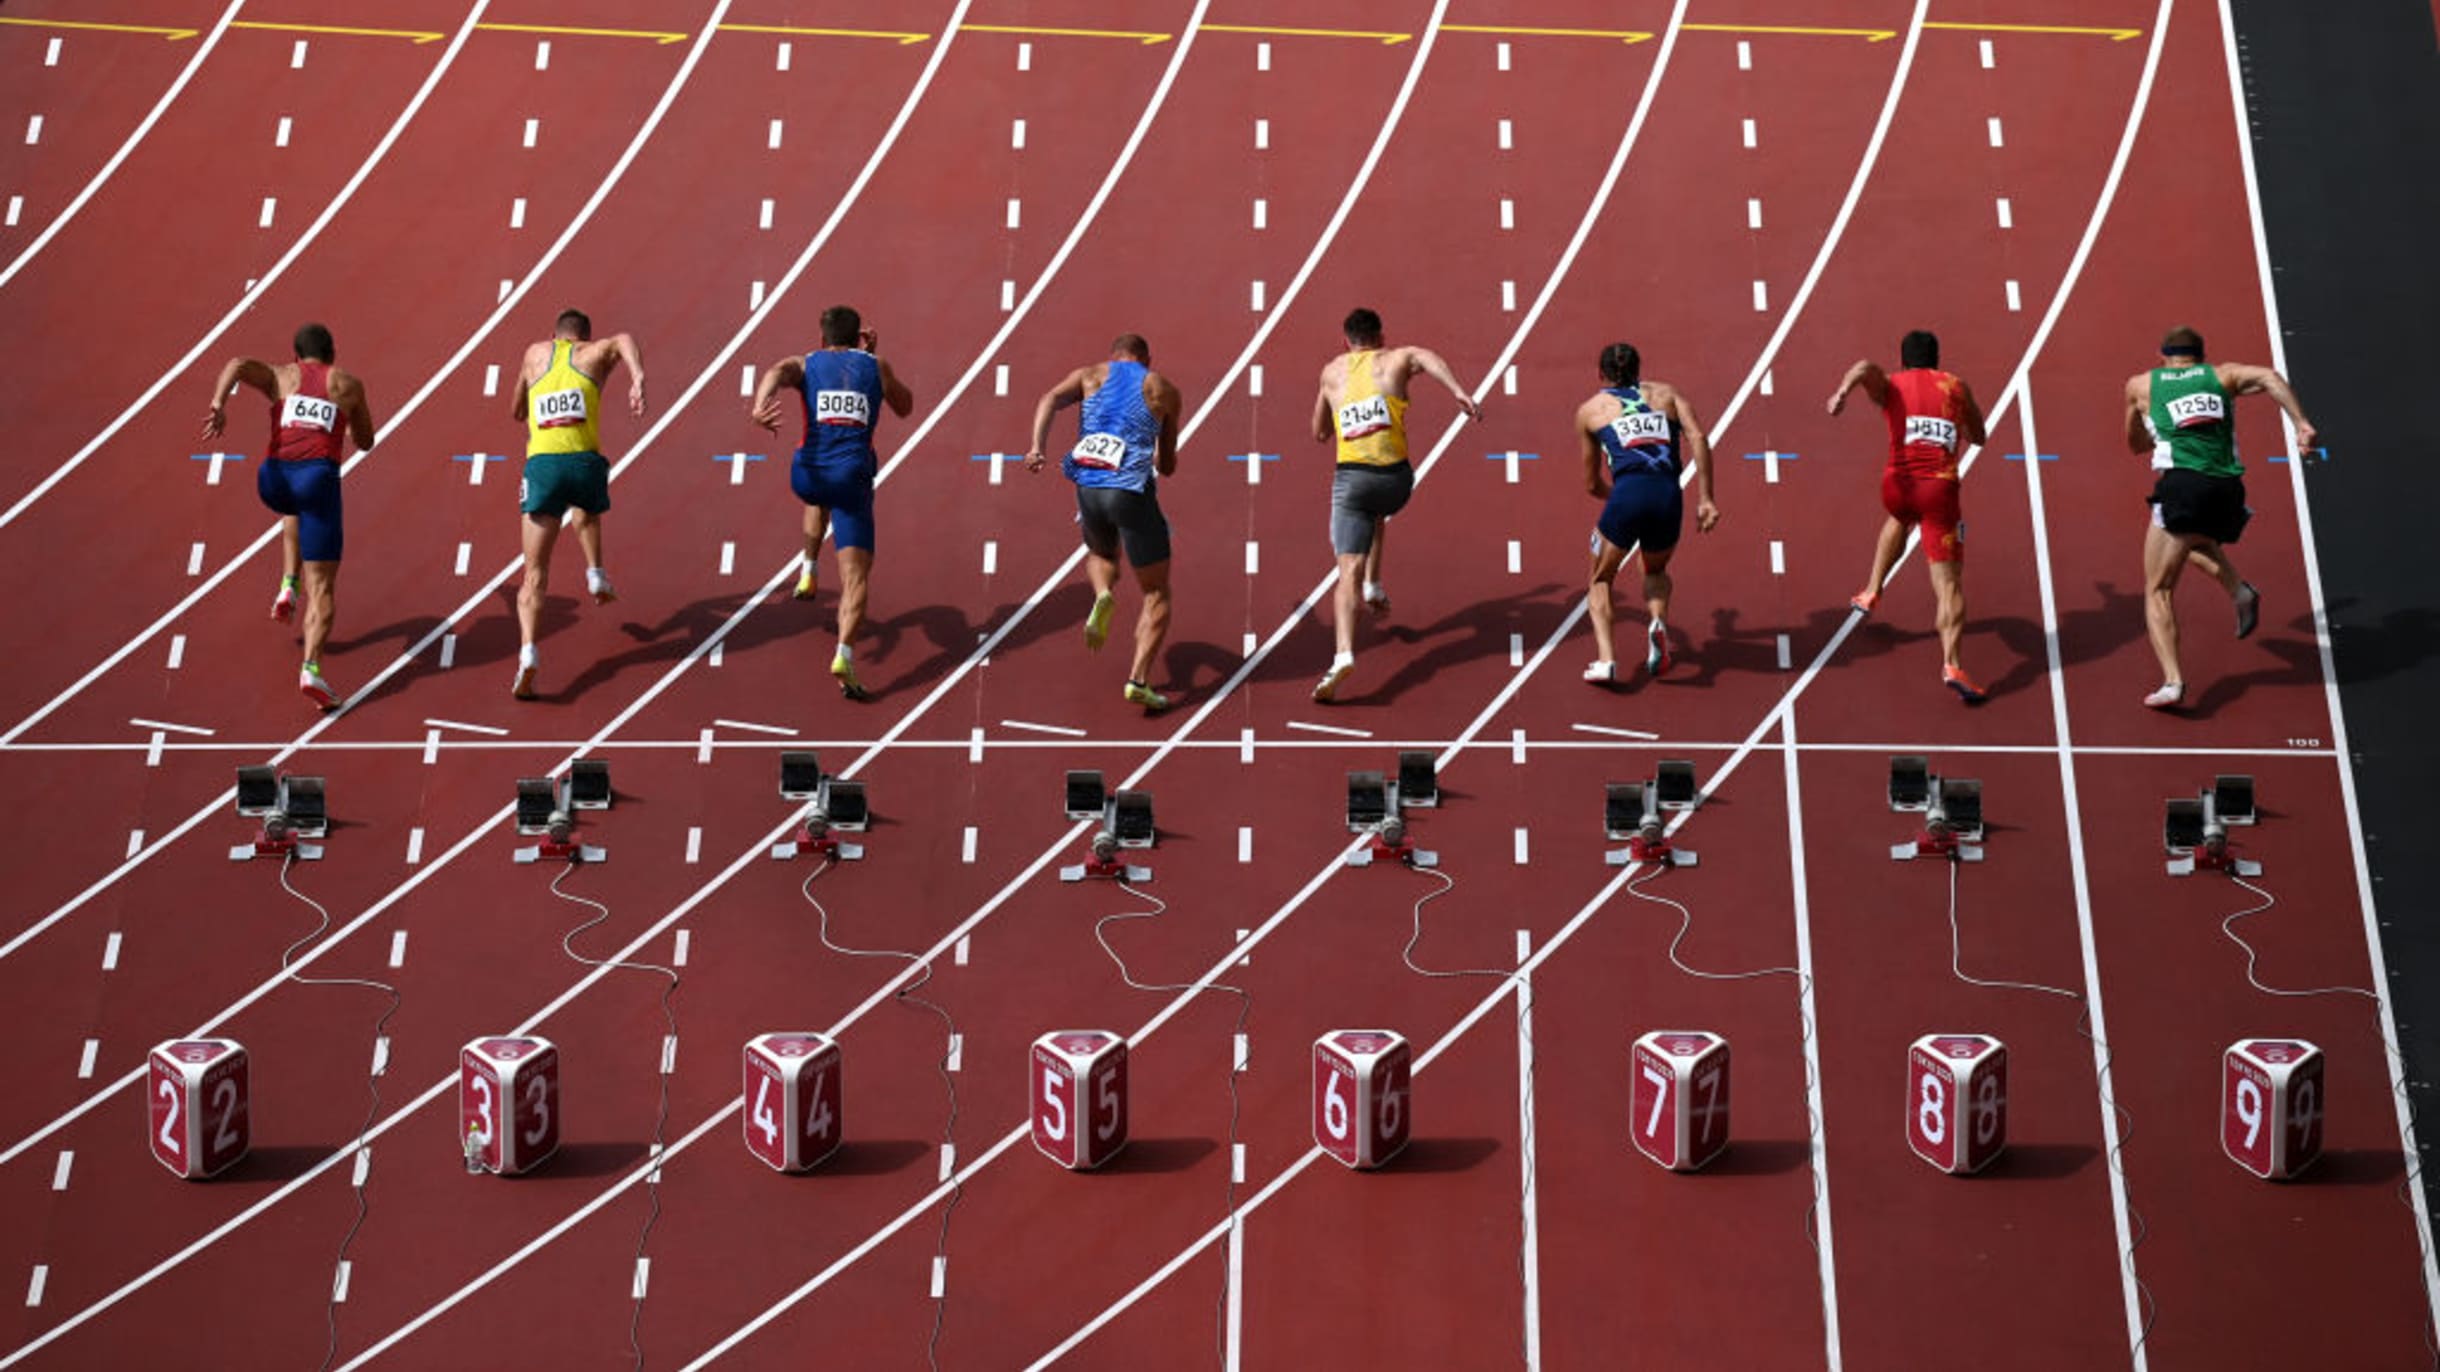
x: 1414, y: 1266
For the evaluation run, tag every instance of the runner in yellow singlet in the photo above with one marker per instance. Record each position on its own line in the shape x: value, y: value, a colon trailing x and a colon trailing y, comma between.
x: 559, y: 400
x: 1362, y: 407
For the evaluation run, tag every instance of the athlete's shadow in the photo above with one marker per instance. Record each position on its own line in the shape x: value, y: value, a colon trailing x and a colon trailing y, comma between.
x: 404, y: 632
x: 2299, y: 665
x: 492, y: 639
x: 1197, y: 669
x: 1480, y: 630
x: 2093, y: 631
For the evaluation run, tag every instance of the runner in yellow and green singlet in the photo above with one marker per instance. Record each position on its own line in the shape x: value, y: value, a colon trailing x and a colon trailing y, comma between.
x: 559, y: 400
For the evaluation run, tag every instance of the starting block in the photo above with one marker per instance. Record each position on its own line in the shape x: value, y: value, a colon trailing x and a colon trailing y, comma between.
x: 1957, y: 1100
x: 792, y: 1100
x: 1678, y: 1101
x: 1360, y: 1083
x: 199, y: 1093
x: 1389, y: 843
x: 1104, y: 861
x: 814, y: 835
x: 278, y: 837
x: 1080, y: 1097
x: 508, y: 1103
x: 2271, y: 1106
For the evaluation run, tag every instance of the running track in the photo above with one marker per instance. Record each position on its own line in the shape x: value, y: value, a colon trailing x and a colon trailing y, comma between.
x: 1626, y: 1260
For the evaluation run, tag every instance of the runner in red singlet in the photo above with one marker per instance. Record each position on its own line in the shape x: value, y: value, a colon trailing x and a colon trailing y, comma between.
x: 1932, y: 419
x: 315, y: 408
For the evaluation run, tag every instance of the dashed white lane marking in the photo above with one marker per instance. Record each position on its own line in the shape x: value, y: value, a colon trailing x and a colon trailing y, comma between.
x: 177, y: 651
x: 152, y: 750
x: 1245, y: 843
x: 110, y: 952
x: 1245, y: 737
x: 1243, y: 1052
x: 1749, y: 133
x: 1257, y: 297
x: 1779, y: 558
x: 1516, y: 747
x: 728, y: 558
x: 1753, y: 213
x: 33, y: 1288
x: 1016, y: 134
x: 1987, y: 55
x: 279, y: 136
x: 33, y: 129
x: 16, y: 209
x: 533, y: 131
x: 1508, y: 381
x: 2007, y: 215
x: 1503, y: 56
x: 745, y: 380
x: 1062, y: 730
x: 364, y: 1166
x: 381, y: 1054
x: 516, y: 213
x: 955, y: 1059
x: 1522, y: 847
x: 84, y: 1062
x: 296, y: 56
x: 1513, y: 474
x: 1008, y: 296
x: 1236, y: 1163
x: 2016, y: 298
x: 270, y: 205
x: 754, y: 300
x: 1784, y: 654
x: 448, y: 651
x: 1025, y: 57
x: 669, y: 1054
x: 1262, y: 214
x: 1253, y: 557
x: 958, y: 954
x: 1508, y: 213
x: 61, y: 1170
x: 491, y: 379
x: 1262, y: 135
x: 1253, y: 384
x: 1248, y: 959
x: 999, y: 386
x: 940, y: 1274
x: 1508, y: 297
x: 1762, y: 299
x: 1745, y: 55
x: 1996, y: 140
x: 966, y: 847
x: 506, y: 285
x: 714, y: 659
x: 643, y: 1279
x: 786, y: 51
x: 1770, y: 466
x: 1516, y: 650
x: 703, y: 746
x: 398, y: 948
x: 1508, y: 136
x: 974, y: 745
x: 465, y: 557
x: 1262, y: 56
x: 415, y: 845
x: 679, y: 949
x: 766, y: 214
x: 948, y: 1160
x: 991, y: 556
x: 1015, y: 212
x: 775, y: 130
x: 432, y: 747
x: 694, y: 844
x: 1516, y: 556
x: 542, y: 54
x: 50, y: 55
x: 135, y: 842
x: 1248, y: 652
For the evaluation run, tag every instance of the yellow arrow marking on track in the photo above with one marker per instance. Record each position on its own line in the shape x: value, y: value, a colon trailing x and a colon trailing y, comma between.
x: 662, y: 38
x: 1621, y: 35
x: 1147, y: 39
x: 411, y: 35
x: 2114, y: 35
x: 901, y: 39
x: 1385, y: 39
x: 1868, y: 35
x: 172, y: 35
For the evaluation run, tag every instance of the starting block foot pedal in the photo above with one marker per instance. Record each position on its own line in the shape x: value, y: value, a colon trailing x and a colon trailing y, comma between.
x: 1094, y: 867
x: 302, y: 852
x: 825, y: 847
x: 1378, y: 851
x: 561, y: 852
x: 1657, y: 852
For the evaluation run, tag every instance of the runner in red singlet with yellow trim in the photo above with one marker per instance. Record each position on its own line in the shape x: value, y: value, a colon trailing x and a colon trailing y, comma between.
x: 1933, y: 418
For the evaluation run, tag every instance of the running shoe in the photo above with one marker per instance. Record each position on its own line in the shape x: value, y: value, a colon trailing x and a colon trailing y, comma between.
x: 1657, y: 656
x: 2249, y: 609
x: 807, y: 586
x: 1327, y: 689
x: 315, y: 689
x: 1602, y: 673
x: 1376, y: 599
x: 2170, y: 695
x: 597, y: 582
x: 523, y: 688
x: 845, y: 670
x: 1097, y: 624
x: 1956, y: 680
x: 1139, y: 693
x: 1863, y: 601
x: 284, y: 605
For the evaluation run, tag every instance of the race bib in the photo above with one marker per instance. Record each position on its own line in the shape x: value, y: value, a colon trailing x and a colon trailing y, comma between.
x: 1640, y: 428
x: 1940, y: 433
x: 1102, y: 451
x: 1360, y: 417
x: 559, y: 409
x: 2203, y: 407
x: 305, y: 412
x: 843, y: 407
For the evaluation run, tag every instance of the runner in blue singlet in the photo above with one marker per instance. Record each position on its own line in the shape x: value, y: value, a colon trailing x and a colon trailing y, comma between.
x: 1636, y: 437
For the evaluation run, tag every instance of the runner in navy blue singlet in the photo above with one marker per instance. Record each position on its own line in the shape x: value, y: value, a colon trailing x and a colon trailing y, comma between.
x: 1637, y: 437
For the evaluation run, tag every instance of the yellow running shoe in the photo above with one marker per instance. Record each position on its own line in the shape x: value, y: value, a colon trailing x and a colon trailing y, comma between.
x: 806, y: 585
x: 845, y: 670
x: 1139, y: 693
x: 1097, y: 624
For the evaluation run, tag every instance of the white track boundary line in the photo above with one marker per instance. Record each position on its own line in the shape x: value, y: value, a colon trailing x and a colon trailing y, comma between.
x: 127, y: 148
x: 1562, y: 744
x: 247, y: 302
x: 1530, y: 1233
x: 1819, y: 1142
x: 2342, y: 751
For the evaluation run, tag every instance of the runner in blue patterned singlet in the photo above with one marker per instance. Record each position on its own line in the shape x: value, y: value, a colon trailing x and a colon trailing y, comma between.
x: 1636, y: 436
x: 841, y: 387
x: 1127, y: 439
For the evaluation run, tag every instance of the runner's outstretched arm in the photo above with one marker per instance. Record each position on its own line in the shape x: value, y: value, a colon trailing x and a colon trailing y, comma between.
x: 1698, y: 445
x: 894, y: 392
x: 237, y: 370
x: 785, y: 374
x: 359, y: 407
x: 1069, y: 390
x: 1867, y: 374
x: 2139, y: 434
x: 1165, y: 453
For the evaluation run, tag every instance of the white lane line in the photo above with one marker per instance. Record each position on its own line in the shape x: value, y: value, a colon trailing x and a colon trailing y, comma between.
x: 1530, y: 1250
x: 775, y: 132
x: 1262, y: 56
x: 974, y: 745
x: 381, y: 1054
x: 194, y: 567
x: 1008, y: 296
x: 1062, y: 730
x: 415, y: 845
x: 1988, y: 57
x: 177, y: 651
x: 2016, y: 298
x: 16, y: 208
x: 1245, y: 737
x: 775, y: 730
x: 270, y: 205
x: 966, y: 845
x: 642, y: 1281
x: 33, y: 130
x: 1996, y: 140
x: 1523, y: 847
x: 1014, y: 214
x: 152, y: 754
x: 1516, y: 747
x: 1516, y: 650
x: 745, y: 380
x: 1016, y: 134
x: 991, y: 556
x: 948, y: 1160
x: 1614, y: 731
x: 279, y: 136
x: 955, y: 1061
x: 533, y: 131
x: 1243, y: 1053
x: 960, y: 954
x: 694, y: 844
x: 448, y: 651
x: 364, y: 1167
x: 1337, y: 731
x: 491, y: 381
x: 33, y: 1287
x: 2374, y: 950
x: 507, y: 288
x: 1745, y: 55
x: 2007, y: 215
x: 1516, y: 556
x: 728, y: 558
x: 60, y: 1170
x: 110, y: 952
x: 135, y: 841
x: 1245, y: 843
x: 1507, y: 136
x: 491, y: 729
x: 703, y: 746
x: 1262, y: 214
x: 940, y: 1275
x: 1254, y: 296
x: 50, y: 54
x: 1025, y: 57
x: 1508, y: 213
x: 1818, y: 1142
x: 681, y: 947
x: 432, y: 747
x: 1779, y: 558
x: 1786, y: 653
x: 786, y: 51
x: 1253, y: 557
x: 1502, y: 58
x: 1262, y: 134
x: 764, y: 219
x: 398, y: 948
x: 669, y: 1054
x: 516, y: 213
x: 196, y: 730
x: 84, y: 1061
x: 1753, y: 213
x: 1762, y: 299
x: 542, y: 54
x: 465, y: 558
x: 1749, y: 133
x: 1508, y: 297
x: 296, y: 56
